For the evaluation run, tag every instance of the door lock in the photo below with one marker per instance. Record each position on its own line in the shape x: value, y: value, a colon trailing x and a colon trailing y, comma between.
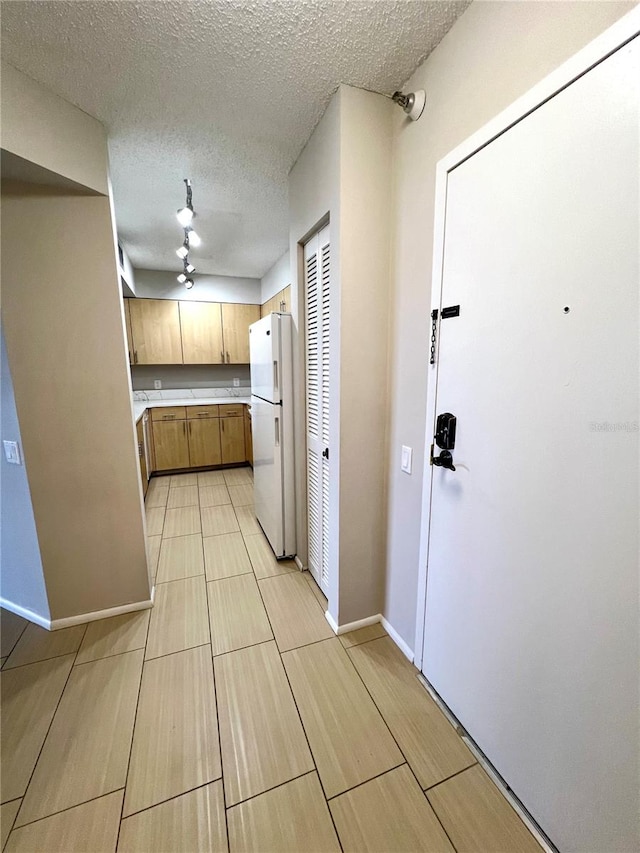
x: 445, y: 460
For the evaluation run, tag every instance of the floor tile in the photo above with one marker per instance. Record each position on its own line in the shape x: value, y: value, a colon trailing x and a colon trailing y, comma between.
x: 86, y: 751
x: 155, y: 520
x: 8, y: 812
x: 180, y: 557
x: 289, y: 819
x: 321, y: 598
x: 182, y: 496
x: 186, y: 824
x: 179, y: 480
x: 30, y: 695
x: 90, y: 827
x: 247, y: 520
x: 348, y: 737
x: 182, y: 521
x: 179, y: 619
x: 293, y: 612
x: 37, y: 643
x: 159, y: 482
x: 175, y: 743
x: 2, y: 660
x: 238, y: 476
x: 225, y: 556
x: 211, y: 478
x: 11, y: 627
x: 241, y: 495
x: 477, y: 817
x: 264, y: 560
x: 389, y: 813
x: 114, y: 636
x: 157, y: 497
x: 432, y: 747
x: 218, y: 519
x: 236, y: 613
x: 214, y: 495
x: 153, y: 553
x: 263, y: 743
x: 362, y: 635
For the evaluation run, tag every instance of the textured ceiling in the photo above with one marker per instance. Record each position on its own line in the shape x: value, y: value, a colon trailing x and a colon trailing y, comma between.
x: 225, y: 92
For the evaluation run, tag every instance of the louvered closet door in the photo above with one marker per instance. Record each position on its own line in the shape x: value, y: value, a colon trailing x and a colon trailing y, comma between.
x: 317, y: 298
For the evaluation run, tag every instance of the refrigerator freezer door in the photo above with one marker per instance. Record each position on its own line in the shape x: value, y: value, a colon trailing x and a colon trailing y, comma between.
x: 268, y: 470
x: 264, y: 346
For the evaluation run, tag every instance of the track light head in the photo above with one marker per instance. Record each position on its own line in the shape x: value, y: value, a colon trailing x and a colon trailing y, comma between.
x: 185, y: 216
x: 189, y: 267
x: 192, y: 238
x: 183, y: 251
x: 181, y: 278
x: 188, y: 283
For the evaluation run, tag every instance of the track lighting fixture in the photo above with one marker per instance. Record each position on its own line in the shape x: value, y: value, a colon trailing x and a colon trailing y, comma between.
x: 193, y: 238
x: 186, y: 216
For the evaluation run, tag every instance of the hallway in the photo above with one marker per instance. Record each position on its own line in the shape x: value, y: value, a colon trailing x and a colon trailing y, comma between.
x: 121, y: 734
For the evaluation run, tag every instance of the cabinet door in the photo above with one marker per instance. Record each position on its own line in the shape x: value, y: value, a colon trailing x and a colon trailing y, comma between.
x: 201, y: 325
x: 141, y: 456
x: 127, y: 324
x: 171, y: 445
x: 236, y: 320
x: 204, y: 442
x: 248, y: 439
x: 155, y: 328
x: 232, y: 440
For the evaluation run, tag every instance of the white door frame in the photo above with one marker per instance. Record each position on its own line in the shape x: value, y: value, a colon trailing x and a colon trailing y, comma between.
x: 593, y: 53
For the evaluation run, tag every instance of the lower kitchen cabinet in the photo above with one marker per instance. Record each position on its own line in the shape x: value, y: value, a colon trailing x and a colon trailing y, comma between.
x: 204, y: 442
x: 171, y: 444
x: 142, y: 457
x: 248, y: 437
x: 232, y: 440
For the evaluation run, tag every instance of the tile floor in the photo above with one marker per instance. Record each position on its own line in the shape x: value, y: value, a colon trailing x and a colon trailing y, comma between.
x: 230, y: 717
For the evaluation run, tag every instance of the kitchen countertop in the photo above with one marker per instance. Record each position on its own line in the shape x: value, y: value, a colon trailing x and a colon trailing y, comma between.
x: 140, y: 406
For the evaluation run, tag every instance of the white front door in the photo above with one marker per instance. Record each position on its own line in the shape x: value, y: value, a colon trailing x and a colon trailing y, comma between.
x: 532, y: 607
x: 317, y: 271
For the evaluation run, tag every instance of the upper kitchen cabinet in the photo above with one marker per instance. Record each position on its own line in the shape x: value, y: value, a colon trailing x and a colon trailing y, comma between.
x: 127, y: 323
x: 155, y: 329
x: 201, y: 324
x: 236, y: 320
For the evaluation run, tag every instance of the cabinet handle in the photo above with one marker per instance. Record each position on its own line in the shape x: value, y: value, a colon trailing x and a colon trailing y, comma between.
x: 222, y: 424
x: 168, y: 417
x: 189, y: 427
x: 184, y: 427
x: 228, y: 359
x: 222, y: 356
x: 135, y: 356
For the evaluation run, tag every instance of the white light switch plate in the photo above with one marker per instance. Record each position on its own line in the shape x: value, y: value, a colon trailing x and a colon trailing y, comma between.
x: 407, y: 454
x: 12, y: 452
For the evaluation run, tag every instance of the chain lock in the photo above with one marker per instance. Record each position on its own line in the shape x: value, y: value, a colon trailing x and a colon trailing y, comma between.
x: 434, y: 326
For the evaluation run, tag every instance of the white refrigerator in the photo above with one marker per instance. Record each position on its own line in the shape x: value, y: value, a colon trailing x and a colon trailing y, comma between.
x: 272, y: 423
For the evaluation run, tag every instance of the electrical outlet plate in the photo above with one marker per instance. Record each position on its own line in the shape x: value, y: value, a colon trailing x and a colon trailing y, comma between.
x: 236, y: 383
x: 157, y: 384
x: 12, y: 452
x: 407, y: 454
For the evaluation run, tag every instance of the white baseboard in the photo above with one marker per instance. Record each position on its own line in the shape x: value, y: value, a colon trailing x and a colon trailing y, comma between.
x: 68, y: 621
x: 331, y: 621
x: 298, y: 563
x: 359, y: 623
x: 397, y: 639
x: 36, y: 618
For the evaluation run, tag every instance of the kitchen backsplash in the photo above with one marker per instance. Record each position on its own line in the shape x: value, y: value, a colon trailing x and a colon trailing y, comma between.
x: 187, y: 376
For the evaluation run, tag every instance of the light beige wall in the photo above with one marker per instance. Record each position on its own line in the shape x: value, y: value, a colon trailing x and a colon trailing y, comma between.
x: 50, y: 132
x: 493, y: 54
x: 314, y: 196
x: 365, y: 201
x: 276, y: 278
x: 344, y: 174
x: 63, y: 326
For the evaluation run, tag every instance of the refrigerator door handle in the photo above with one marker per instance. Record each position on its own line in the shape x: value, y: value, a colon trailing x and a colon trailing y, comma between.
x: 277, y: 428
x: 275, y: 378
